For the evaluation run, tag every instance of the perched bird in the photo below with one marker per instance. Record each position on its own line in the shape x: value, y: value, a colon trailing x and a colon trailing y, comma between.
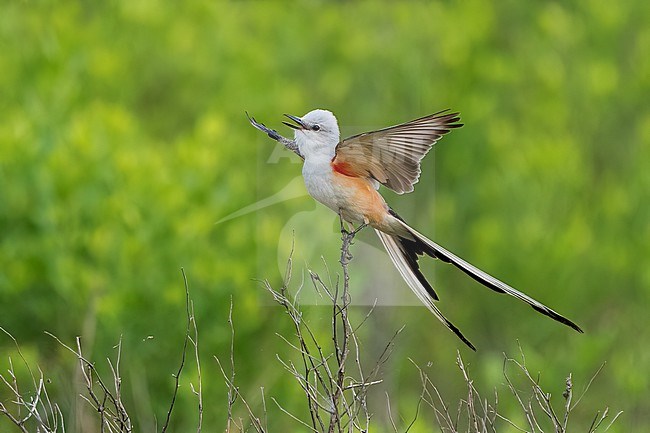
x: 345, y: 176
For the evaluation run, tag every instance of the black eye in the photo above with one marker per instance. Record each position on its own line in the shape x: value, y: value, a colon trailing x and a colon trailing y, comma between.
x: 316, y: 127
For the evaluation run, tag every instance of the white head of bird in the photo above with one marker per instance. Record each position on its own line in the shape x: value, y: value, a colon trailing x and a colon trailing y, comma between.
x: 317, y: 132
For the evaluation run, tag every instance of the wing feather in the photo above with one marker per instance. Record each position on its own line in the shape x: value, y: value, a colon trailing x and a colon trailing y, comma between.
x: 392, y: 155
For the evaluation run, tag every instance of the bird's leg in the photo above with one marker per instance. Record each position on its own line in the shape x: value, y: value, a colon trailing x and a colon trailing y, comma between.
x: 346, y: 239
x: 342, y: 223
x: 353, y: 232
x: 347, y: 236
x: 358, y: 229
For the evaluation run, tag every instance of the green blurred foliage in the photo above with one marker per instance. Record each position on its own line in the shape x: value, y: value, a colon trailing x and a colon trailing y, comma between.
x: 123, y: 141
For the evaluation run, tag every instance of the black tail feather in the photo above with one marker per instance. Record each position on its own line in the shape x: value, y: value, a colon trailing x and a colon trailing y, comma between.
x: 420, y: 245
x: 403, y: 255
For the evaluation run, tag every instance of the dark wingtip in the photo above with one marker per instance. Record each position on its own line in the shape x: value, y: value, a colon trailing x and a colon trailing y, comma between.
x: 451, y: 119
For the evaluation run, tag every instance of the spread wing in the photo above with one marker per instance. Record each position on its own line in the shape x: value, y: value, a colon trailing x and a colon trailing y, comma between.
x: 392, y: 155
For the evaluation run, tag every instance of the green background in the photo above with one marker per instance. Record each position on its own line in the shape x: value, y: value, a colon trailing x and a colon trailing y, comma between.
x: 123, y: 141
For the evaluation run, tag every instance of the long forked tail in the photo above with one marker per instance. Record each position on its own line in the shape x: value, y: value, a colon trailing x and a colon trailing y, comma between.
x: 406, y: 264
x: 404, y: 253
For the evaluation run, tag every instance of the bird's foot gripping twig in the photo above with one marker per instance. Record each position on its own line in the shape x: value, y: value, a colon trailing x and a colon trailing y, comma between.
x: 347, y: 236
x: 358, y: 229
x: 352, y: 233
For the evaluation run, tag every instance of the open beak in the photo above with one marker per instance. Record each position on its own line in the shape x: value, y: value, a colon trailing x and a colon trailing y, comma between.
x: 298, y: 120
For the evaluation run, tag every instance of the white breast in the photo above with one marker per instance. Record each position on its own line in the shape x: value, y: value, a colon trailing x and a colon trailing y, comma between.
x: 317, y: 173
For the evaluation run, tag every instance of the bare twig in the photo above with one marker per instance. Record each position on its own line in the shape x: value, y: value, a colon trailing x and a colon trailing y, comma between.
x: 480, y: 415
x: 336, y: 399
x: 233, y: 390
x: 40, y: 411
x: 198, y: 391
x: 589, y: 384
x: 390, y: 414
x: 177, y: 376
x: 113, y: 417
x: 257, y: 424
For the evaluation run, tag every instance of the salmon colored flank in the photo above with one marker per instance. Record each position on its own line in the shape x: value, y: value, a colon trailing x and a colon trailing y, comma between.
x: 343, y: 167
x: 365, y: 197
